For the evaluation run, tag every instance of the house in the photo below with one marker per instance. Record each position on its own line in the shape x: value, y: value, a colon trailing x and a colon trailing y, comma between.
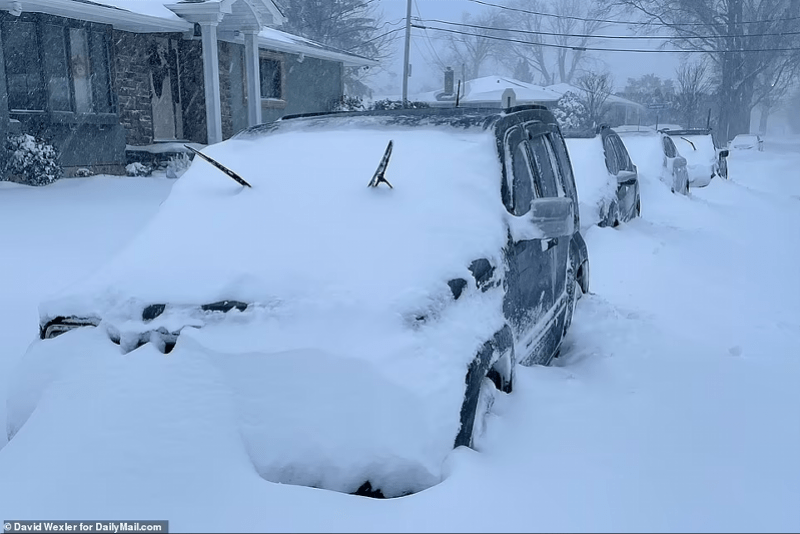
x: 488, y: 91
x: 104, y: 80
x: 620, y: 110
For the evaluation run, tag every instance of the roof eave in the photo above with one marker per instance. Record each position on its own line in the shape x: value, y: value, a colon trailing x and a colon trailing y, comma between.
x: 119, y: 19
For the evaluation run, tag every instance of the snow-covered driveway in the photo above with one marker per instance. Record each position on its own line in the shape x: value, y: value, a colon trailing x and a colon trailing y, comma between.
x: 675, y: 405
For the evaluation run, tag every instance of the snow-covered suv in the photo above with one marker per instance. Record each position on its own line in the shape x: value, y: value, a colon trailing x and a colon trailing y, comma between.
x: 354, y: 297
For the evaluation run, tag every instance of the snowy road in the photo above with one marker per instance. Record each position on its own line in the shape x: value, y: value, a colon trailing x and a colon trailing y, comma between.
x: 675, y: 405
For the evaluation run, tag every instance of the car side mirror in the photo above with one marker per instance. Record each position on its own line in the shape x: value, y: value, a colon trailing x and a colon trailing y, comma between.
x: 724, y: 153
x: 553, y: 216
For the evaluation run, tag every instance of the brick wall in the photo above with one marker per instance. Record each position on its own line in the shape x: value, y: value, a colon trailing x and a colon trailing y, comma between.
x: 132, y: 85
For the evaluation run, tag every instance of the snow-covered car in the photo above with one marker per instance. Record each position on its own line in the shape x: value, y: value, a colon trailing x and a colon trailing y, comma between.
x: 703, y: 159
x: 355, y: 295
x: 606, y: 177
x: 675, y: 171
x: 747, y: 142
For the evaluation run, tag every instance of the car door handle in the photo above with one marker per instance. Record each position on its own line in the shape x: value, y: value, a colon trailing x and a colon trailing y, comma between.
x: 547, y: 244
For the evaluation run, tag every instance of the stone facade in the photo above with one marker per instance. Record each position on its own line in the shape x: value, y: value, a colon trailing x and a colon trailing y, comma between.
x: 132, y: 85
x: 193, y: 95
x: 226, y: 51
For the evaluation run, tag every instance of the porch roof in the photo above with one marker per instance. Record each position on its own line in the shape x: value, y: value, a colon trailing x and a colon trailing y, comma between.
x: 155, y: 16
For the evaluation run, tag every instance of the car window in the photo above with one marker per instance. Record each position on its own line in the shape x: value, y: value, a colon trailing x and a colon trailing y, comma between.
x: 523, y: 192
x: 624, y: 159
x: 556, y: 167
x: 612, y: 163
x: 669, y: 147
x: 546, y: 177
x: 566, y: 169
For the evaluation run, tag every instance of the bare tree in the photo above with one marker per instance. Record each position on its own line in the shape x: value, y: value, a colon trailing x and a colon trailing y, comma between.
x: 595, y: 90
x: 772, y: 86
x: 475, y: 45
x: 350, y: 25
x: 554, y: 64
x: 693, y: 87
x: 743, y: 38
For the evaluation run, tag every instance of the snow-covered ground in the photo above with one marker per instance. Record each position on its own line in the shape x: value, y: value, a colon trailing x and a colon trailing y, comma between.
x: 675, y: 404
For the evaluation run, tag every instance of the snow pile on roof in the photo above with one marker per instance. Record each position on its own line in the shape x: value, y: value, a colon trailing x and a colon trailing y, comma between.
x: 152, y: 8
x: 351, y: 359
x: 491, y: 88
x: 596, y: 187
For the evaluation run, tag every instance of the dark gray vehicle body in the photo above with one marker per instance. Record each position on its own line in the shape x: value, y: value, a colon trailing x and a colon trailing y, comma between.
x: 540, y: 276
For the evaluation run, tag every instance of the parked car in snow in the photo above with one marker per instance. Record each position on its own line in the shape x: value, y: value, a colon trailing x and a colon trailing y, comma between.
x: 363, y: 287
x: 747, y: 142
x: 675, y: 171
x: 606, y: 177
x: 703, y: 159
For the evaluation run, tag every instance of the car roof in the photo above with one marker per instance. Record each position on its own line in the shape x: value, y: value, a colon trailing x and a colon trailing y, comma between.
x: 462, y: 117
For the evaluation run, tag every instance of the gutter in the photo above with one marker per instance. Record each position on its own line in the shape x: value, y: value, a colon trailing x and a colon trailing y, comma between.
x: 119, y: 19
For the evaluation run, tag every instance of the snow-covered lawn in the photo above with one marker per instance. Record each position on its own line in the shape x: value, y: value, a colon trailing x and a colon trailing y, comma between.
x: 675, y: 404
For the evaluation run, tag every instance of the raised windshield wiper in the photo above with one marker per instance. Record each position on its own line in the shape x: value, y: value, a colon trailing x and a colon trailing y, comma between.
x: 381, y: 172
x: 238, y: 179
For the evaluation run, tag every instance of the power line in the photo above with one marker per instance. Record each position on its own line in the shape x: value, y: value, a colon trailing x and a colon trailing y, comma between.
x: 598, y: 49
x: 582, y: 35
x: 376, y: 38
x: 626, y: 22
x: 427, y: 38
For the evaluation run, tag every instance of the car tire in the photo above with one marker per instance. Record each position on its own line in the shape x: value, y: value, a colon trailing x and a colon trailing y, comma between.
x: 484, y: 380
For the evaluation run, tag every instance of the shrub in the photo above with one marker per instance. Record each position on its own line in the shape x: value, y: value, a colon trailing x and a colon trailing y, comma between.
x: 83, y: 172
x: 178, y: 164
x: 138, y: 169
x: 570, y: 112
x: 397, y: 104
x: 350, y: 103
x: 32, y: 161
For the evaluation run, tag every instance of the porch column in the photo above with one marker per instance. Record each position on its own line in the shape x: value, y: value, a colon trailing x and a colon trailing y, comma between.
x: 211, y: 79
x: 4, y: 118
x: 253, y: 75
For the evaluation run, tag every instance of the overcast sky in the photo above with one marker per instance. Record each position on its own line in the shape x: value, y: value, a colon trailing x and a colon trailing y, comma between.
x: 621, y: 64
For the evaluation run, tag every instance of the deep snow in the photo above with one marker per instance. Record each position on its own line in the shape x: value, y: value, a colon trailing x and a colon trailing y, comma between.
x: 673, y: 407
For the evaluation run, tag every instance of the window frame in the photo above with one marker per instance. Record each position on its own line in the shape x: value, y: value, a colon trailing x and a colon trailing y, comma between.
x: 92, y: 30
x: 270, y: 102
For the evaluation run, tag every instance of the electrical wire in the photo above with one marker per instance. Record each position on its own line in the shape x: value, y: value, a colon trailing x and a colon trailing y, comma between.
x: 581, y: 35
x: 625, y: 22
x: 599, y: 49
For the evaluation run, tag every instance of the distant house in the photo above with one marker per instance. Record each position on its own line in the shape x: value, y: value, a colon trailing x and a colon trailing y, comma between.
x: 106, y: 79
x: 621, y: 110
x: 488, y: 91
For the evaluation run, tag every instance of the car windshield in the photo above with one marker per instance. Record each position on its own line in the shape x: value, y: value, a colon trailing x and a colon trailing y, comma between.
x: 310, y: 225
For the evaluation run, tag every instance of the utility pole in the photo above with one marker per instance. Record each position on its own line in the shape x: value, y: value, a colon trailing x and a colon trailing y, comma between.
x: 407, y: 54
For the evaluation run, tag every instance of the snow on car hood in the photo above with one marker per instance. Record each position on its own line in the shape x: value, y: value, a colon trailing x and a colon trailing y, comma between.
x: 310, y: 228
x: 596, y: 187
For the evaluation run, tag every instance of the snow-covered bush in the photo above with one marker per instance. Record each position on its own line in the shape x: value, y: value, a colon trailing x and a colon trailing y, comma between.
x: 32, y: 161
x: 83, y: 172
x: 138, y: 169
x: 178, y: 164
x: 397, y: 104
x: 350, y: 103
x: 570, y: 113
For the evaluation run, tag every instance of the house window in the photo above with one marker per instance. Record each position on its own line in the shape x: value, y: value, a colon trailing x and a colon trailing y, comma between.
x: 271, y: 69
x: 57, y: 68
x: 23, y: 69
